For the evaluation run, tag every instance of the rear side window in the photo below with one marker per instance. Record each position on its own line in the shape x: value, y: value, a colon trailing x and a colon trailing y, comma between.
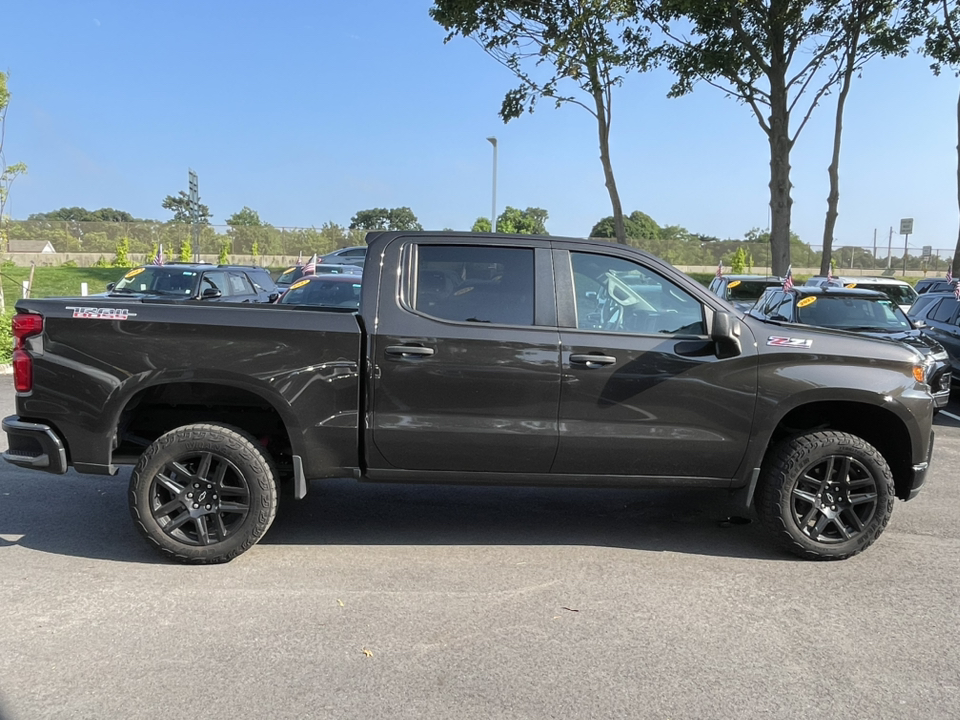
x: 473, y: 284
x: 945, y: 310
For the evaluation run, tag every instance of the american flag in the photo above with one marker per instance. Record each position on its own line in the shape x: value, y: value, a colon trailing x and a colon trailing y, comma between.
x: 158, y: 258
x: 311, y: 267
x: 720, y: 269
x: 788, y: 280
x: 956, y: 290
x: 300, y: 258
x: 829, y: 274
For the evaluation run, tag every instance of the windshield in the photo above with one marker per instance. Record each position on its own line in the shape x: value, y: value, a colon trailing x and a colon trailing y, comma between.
x: 289, y: 275
x: 749, y: 289
x: 900, y: 294
x: 159, y: 280
x: 849, y: 313
x: 323, y: 293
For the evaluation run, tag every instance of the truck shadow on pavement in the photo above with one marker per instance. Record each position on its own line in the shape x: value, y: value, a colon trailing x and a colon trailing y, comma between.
x: 87, y: 516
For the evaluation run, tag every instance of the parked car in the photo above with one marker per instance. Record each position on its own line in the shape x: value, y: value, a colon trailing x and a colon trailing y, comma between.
x: 937, y: 312
x: 331, y: 290
x: 292, y: 274
x: 866, y: 312
x: 345, y: 256
x: 197, y: 281
x: 743, y: 291
x: 932, y: 284
x: 902, y: 293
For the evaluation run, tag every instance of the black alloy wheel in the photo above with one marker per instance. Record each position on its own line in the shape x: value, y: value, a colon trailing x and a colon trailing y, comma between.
x: 203, y: 493
x: 825, y: 495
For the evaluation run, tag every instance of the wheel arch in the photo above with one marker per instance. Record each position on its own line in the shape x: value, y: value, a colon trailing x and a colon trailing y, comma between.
x: 877, y: 425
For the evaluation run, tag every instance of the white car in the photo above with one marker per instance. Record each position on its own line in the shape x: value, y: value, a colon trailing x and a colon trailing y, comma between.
x: 902, y: 293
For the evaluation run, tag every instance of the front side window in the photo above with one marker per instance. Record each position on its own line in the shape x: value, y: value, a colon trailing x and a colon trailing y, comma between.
x: 945, y: 310
x: 618, y: 295
x: 466, y: 283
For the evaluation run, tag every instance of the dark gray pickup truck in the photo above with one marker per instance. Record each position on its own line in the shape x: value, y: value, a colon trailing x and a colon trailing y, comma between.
x: 472, y: 359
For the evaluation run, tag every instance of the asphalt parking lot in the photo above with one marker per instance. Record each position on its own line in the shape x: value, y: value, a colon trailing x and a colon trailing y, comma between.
x: 405, y: 601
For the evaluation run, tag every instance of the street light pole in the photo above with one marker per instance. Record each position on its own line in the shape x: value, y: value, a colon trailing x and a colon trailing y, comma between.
x: 493, y: 210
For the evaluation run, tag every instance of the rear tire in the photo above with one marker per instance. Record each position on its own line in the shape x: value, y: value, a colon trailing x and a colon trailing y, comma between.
x: 825, y: 495
x: 203, y: 493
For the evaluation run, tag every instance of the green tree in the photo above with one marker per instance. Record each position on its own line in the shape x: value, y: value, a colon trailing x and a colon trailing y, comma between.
x: 122, y: 257
x: 588, y: 46
x: 401, y: 218
x: 638, y: 226
x: 941, y: 27
x: 79, y: 214
x: 248, y: 232
x: 739, y: 261
x: 223, y: 258
x: 482, y: 225
x: 8, y: 173
x: 179, y: 205
x: 532, y: 221
x: 776, y: 57
x: 186, y: 254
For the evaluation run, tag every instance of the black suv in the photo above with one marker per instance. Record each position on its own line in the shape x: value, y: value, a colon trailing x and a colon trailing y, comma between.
x: 198, y: 281
x: 743, y: 291
x: 866, y: 312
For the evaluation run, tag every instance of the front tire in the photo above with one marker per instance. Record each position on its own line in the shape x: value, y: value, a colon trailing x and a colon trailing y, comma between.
x: 825, y: 495
x: 203, y: 493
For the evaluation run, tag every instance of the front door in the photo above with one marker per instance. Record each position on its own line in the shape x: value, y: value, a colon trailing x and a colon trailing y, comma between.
x: 643, y: 393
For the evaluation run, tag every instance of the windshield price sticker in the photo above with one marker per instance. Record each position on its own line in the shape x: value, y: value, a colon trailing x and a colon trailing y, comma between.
x: 779, y: 341
x: 134, y: 272
x: 806, y: 301
x: 850, y: 285
x: 94, y: 313
x: 734, y: 283
x: 299, y: 284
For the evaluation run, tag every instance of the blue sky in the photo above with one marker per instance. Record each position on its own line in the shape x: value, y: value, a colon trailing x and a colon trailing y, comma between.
x: 310, y: 111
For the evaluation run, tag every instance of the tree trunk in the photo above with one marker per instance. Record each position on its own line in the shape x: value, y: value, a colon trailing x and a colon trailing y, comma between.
x: 780, y: 200
x: 956, y: 253
x: 833, y: 198
x: 603, y: 129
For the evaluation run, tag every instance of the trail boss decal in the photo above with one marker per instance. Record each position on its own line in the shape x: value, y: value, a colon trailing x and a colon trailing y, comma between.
x: 95, y: 313
x: 778, y: 341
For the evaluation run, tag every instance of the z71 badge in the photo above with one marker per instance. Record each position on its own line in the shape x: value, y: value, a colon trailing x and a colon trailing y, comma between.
x: 95, y: 313
x: 779, y: 341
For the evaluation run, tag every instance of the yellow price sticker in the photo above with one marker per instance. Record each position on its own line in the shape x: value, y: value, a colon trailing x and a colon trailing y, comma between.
x: 299, y: 284
x: 734, y: 283
x: 133, y: 273
x: 806, y: 301
x: 850, y: 285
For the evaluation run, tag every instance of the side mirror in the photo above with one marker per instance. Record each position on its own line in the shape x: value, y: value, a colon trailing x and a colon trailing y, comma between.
x: 111, y: 286
x: 918, y: 324
x: 210, y: 294
x: 273, y: 297
x: 725, y: 333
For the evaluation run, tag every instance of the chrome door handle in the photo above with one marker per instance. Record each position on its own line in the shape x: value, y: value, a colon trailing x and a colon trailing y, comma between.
x: 409, y: 350
x: 593, y: 361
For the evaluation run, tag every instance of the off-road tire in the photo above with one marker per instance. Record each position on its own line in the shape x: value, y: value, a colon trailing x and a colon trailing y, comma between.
x: 203, y: 493
x: 825, y: 495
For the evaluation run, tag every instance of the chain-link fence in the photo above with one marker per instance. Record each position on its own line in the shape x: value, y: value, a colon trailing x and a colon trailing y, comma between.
x: 85, y: 243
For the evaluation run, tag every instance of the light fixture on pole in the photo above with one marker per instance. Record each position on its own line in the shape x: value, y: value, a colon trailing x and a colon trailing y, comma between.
x: 493, y: 210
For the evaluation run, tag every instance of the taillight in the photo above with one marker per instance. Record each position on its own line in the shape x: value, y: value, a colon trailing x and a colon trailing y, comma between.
x: 24, y: 325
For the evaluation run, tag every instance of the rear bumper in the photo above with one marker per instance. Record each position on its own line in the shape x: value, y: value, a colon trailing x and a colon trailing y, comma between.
x: 34, y: 445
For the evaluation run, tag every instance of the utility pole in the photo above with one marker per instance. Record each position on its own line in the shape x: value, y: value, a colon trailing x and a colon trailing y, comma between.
x: 890, y: 248
x: 194, y: 213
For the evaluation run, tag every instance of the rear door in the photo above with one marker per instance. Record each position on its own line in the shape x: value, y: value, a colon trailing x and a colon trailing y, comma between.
x: 943, y: 323
x: 465, y: 357
x: 642, y: 390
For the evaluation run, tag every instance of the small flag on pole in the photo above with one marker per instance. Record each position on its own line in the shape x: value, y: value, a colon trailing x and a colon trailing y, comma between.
x: 720, y: 269
x: 788, y: 281
x: 311, y: 267
x: 949, y: 275
x: 300, y: 258
x: 158, y: 258
x: 829, y: 274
